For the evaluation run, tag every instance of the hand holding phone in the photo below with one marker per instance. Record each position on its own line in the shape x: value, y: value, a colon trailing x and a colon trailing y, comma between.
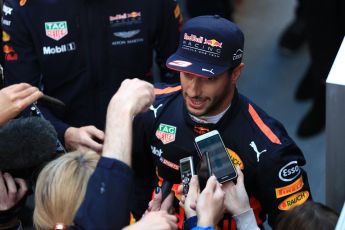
x: 187, y: 171
x: 211, y: 146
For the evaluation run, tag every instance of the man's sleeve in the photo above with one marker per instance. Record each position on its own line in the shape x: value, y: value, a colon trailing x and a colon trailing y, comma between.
x: 21, y: 60
x: 144, y: 170
x: 168, y: 38
x: 282, y: 182
x: 107, y: 200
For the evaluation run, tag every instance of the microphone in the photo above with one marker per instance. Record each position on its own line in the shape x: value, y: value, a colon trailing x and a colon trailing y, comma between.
x: 51, y: 101
x: 166, y: 189
x: 26, y: 143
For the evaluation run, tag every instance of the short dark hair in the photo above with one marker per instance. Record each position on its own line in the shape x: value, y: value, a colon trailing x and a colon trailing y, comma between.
x: 310, y: 215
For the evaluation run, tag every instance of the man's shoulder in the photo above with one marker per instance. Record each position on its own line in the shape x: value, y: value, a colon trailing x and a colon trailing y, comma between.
x: 267, y: 126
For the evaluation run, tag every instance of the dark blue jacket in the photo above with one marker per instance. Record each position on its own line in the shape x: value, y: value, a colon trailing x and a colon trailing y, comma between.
x: 107, y: 200
x: 80, y: 51
x: 269, y: 158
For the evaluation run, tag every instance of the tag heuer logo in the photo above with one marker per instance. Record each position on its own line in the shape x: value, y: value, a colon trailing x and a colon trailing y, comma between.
x: 56, y: 30
x: 166, y: 133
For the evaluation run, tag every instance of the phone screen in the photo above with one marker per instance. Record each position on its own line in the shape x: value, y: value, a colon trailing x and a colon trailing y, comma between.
x: 219, y: 160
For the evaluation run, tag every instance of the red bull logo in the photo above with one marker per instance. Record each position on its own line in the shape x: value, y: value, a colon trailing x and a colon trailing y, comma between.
x: 193, y: 38
x: 213, y: 43
x: 134, y: 14
x: 8, y: 49
x: 201, y: 130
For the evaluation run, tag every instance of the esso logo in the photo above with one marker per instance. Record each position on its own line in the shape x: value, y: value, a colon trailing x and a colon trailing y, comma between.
x: 289, y: 171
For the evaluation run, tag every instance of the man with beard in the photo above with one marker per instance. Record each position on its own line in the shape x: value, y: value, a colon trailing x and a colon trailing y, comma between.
x: 209, y: 59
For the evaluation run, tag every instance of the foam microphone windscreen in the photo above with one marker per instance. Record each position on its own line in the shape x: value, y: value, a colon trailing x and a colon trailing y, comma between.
x: 26, y: 143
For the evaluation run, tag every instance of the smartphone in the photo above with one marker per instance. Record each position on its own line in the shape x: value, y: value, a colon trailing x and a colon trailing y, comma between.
x: 211, y: 146
x: 187, y: 171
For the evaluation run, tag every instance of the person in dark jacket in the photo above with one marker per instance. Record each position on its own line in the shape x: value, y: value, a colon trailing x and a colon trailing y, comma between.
x: 80, y: 52
x: 209, y: 59
x: 82, y: 190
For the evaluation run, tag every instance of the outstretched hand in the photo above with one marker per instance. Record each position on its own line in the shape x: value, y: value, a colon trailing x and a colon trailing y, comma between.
x: 15, y: 98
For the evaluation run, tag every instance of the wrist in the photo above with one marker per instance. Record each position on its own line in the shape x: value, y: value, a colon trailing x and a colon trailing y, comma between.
x: 205, y: 222
x: 68, y: 136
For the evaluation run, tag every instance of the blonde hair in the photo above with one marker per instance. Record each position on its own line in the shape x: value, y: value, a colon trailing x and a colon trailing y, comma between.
x: 61, y: 187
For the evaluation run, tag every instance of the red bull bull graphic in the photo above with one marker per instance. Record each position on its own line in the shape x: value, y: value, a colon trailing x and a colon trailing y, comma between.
x: 125, y: 18
x: 134, y: 14
x: 213, y: 43
x: 8, y: 49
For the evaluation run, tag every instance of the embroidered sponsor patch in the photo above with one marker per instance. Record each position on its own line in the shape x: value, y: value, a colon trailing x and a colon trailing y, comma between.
x: 166, y: 133
x: 56, y: 30
x: 170, y: 164
x: 5, y: 37
x: 201, y: 130
x: 7, y: 10
x: 289, y: 172
x: 289, y: 189
x: 49, y: 50
x: 121, y: 19
x: 180, y: 63
x: 236, y: 160
x: 126, y: 34
x: 22, y: 2
x: 6, y: 22
x: 294, y: 200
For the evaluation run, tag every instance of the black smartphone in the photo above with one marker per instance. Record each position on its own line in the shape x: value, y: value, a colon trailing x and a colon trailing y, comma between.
x: 187, y: 171
x: 211, y: 146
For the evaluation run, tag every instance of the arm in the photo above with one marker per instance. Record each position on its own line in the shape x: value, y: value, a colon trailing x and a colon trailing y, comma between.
x: 210, y: 204
x: 280, y: 179
x: 110, y: 187
x: 237, y: 203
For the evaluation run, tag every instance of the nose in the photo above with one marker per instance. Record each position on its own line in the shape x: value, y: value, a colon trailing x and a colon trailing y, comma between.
x: 194, y: 89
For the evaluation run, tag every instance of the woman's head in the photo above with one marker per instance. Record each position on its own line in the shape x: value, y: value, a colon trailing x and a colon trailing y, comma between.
x: 61, y: 188
x: 310, y: 215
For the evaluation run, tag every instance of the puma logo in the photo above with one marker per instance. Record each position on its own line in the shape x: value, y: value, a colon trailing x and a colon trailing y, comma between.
x: 207, y: 70
x: 253, y: 145
x: 155, y: 109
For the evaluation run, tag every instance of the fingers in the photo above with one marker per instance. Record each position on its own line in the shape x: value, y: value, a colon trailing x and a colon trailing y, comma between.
x: 23, y: 188
x: 99, y: 134
x: 168, y: 202
x: 2, y: 185
x: 88, y: 140
x: 34, y: 96
x: 194, y: 185
x: 171, y: 219
x: 211, y: 184
x: 17, y: 87
x: 11, y: 186
x: 240, y: 177
x: 155, y: 203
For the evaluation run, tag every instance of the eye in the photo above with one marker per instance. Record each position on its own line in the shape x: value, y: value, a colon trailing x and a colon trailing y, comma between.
x: 210, y: 78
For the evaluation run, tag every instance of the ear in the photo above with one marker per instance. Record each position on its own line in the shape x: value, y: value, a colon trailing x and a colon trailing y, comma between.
x: 236, y: 73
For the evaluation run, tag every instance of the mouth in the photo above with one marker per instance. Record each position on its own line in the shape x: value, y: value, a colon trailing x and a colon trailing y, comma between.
x: 196, y: 103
